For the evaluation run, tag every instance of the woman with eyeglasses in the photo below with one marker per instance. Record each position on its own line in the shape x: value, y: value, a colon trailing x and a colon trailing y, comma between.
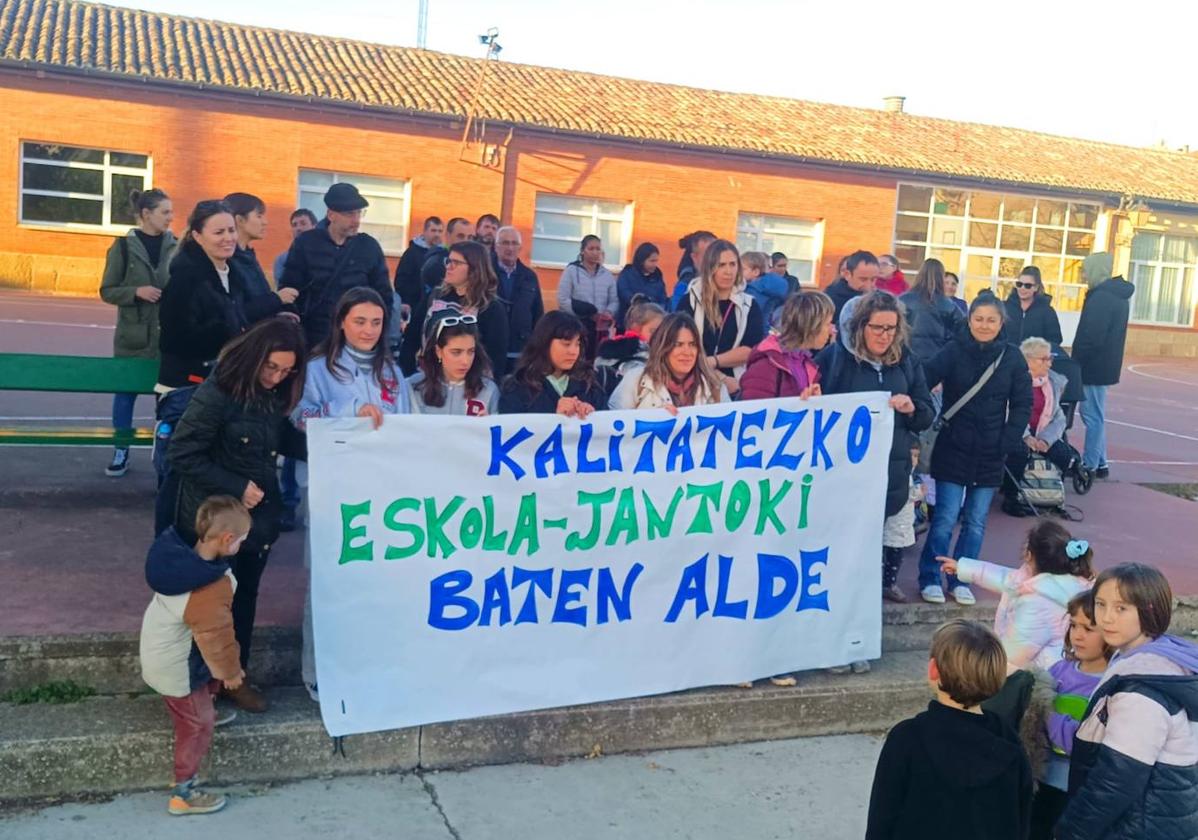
x: 455, y: 374
x: 1029, y: 311
x: 871, y: 353
x: 470, y: 285
x: 227, y: 443
x: 1045, y: 433
x: 551, y: 375
x: 350, y: 374
x: 971, y: 447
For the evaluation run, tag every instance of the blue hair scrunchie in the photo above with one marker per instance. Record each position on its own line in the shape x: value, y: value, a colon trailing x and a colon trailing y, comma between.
x: 1076, y: 549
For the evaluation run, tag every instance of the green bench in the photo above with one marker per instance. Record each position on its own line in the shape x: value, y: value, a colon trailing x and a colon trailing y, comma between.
x: 77, y: 375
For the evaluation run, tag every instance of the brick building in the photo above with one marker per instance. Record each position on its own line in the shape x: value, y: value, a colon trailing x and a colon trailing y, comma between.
x: 98, y: 100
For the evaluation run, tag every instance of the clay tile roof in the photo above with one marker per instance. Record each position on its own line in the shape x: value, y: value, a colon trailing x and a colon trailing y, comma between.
x: 90, y: 37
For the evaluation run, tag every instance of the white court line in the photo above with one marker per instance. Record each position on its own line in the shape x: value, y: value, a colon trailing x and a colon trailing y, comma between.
x: 1160, y: 463
x: 1150, y: 429
x: 56, y: 324
x: 107, y: 417
x: 1132, y: 369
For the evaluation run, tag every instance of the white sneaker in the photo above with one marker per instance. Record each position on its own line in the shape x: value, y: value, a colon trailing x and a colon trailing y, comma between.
x: 963, y: 595
x: 933, y: 594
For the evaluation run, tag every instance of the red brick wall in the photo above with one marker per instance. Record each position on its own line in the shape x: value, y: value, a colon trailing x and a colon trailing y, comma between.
x: 207, y: 145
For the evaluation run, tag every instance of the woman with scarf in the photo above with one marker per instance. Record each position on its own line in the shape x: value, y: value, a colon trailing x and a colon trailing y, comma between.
x: 1045, y: 430
x: 676, y: 375
x: 730, y: 322
x: 351, y: 374
x: 783, y: 365
x: 872, y: 355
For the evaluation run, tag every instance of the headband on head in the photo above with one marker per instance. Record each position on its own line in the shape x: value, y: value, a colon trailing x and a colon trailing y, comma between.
x: 1076, y: 549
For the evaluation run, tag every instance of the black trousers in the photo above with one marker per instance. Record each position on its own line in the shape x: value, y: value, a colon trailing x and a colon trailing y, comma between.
x: 247, y: 566
x: 1047, y: 807
x: 892, y: 561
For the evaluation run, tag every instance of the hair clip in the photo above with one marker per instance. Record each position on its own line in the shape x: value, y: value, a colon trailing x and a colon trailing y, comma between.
x: 1076, y: 548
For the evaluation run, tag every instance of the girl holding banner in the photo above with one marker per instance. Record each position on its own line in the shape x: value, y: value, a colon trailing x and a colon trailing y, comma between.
x: 351, y: 374
x: 551, y: 377
x: 454, y: 375
x: 676, y: 375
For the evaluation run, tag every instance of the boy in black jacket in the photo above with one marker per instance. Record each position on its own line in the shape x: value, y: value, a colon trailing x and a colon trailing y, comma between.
x: 954, y: 770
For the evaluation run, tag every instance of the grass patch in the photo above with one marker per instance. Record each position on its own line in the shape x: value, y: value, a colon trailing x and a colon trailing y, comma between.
x: 1182, y: 491
x: 67, y: 691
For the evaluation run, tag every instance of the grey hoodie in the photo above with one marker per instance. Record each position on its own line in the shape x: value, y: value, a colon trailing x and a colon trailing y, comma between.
x: 455, y: 398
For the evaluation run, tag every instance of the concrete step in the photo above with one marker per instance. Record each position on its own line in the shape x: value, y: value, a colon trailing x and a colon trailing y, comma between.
x: 108, y: 661
x: 114, y: 744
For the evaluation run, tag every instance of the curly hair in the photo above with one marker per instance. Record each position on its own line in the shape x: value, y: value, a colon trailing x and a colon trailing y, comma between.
x: 871, y: 304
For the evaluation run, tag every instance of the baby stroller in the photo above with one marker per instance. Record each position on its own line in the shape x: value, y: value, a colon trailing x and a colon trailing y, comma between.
x: 1041, y: 489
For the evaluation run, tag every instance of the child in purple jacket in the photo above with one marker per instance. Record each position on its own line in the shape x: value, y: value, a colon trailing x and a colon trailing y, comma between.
x: 1074, y: 678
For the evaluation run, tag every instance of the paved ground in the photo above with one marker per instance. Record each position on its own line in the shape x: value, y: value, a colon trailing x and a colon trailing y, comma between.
x: 73, y: 560
x: 811, y: 787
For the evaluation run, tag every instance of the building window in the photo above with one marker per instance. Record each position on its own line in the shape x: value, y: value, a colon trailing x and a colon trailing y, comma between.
x: 561, y: 221
x: 77, y: 188
x: 386, y: 219
x: 799, y: 239
x: 1162, y: 270
x: 987, y: 238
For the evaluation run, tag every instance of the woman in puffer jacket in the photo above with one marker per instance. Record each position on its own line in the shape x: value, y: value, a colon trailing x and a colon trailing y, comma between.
x: 227, y: 443
x: 676, y: 375
x: 783, y: 364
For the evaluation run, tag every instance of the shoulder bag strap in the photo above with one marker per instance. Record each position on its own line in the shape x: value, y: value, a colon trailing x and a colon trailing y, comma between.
x: 972, y: 392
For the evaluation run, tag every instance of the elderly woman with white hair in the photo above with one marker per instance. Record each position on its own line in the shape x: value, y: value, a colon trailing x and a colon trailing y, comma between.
x: 1045, y: 433
x: 1098, y: 349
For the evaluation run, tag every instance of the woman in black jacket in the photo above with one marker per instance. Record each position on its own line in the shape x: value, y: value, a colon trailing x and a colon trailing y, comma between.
x: 260, y: 300
x: 470, y: 285
x: 967, y: 461
x: 871, y: 354
x: 551, y: 377
x: 932, y: 317
x: 227, y: 443
x: 1029, y: 311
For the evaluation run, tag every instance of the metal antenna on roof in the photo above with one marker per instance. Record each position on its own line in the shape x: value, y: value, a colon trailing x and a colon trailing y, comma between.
x: 476, y: 129
x: 422, y: 25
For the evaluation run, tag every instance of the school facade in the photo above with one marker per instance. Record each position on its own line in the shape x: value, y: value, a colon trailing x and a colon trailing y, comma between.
x: 98, y: 100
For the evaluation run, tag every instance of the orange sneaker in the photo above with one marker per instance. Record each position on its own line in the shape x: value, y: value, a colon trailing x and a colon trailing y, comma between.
x: 195, y: 801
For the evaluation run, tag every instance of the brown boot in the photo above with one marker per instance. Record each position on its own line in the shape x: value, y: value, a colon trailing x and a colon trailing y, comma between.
x: 247, y: 698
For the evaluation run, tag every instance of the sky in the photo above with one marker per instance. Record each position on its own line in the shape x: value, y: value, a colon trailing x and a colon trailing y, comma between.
x: 1111, y: 71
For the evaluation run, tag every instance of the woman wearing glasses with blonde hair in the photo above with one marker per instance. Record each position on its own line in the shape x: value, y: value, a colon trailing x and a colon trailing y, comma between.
x: 472, y: 286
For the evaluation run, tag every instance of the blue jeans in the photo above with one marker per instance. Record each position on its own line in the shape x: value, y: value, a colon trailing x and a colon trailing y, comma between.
x: 1093, y: 410
x: 288, y: 486
x: 122, y: 412
x: 950, y: 499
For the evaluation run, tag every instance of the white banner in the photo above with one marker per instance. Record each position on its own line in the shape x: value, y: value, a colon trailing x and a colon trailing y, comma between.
x: 468, y: 566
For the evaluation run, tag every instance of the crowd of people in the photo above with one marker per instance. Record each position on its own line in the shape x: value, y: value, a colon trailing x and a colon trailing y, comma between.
x: 461, y: 328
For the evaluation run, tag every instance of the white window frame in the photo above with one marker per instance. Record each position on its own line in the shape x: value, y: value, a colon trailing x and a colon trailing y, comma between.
x: 817, y: 238
x: 1157, y: 266
x: 593, y: 217
x: 106, y: 227
x: 404, y: 194
x: 1029, y: 256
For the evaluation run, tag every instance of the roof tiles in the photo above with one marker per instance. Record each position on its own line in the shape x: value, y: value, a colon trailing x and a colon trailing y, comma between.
x: 88, y: 36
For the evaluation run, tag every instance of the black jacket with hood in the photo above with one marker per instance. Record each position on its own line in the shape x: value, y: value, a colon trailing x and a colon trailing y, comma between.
x: 971, y: 448
x: 842, y: 372
x: 933, y: 324
x: 841, y: 293
x: 951, y: 773
x: 1102, y: 331
x: 1038, y: 320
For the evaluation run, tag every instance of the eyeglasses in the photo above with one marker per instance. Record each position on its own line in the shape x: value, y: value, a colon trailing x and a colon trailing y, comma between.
x: 453, y: 321
x: 451, y: 261
x: 271, y: 367
x: 1025, y: 285
x: 882, y: 329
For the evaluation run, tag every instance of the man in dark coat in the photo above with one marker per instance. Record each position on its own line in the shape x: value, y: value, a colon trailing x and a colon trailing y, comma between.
x: 333, y: 258
x: 407, y: 273
x: 858, y: 276
x: 520, y: 291
x: 1098, y: 348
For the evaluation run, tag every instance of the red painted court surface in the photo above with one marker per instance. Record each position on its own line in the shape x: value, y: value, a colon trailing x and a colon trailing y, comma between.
x: 75, y: 541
